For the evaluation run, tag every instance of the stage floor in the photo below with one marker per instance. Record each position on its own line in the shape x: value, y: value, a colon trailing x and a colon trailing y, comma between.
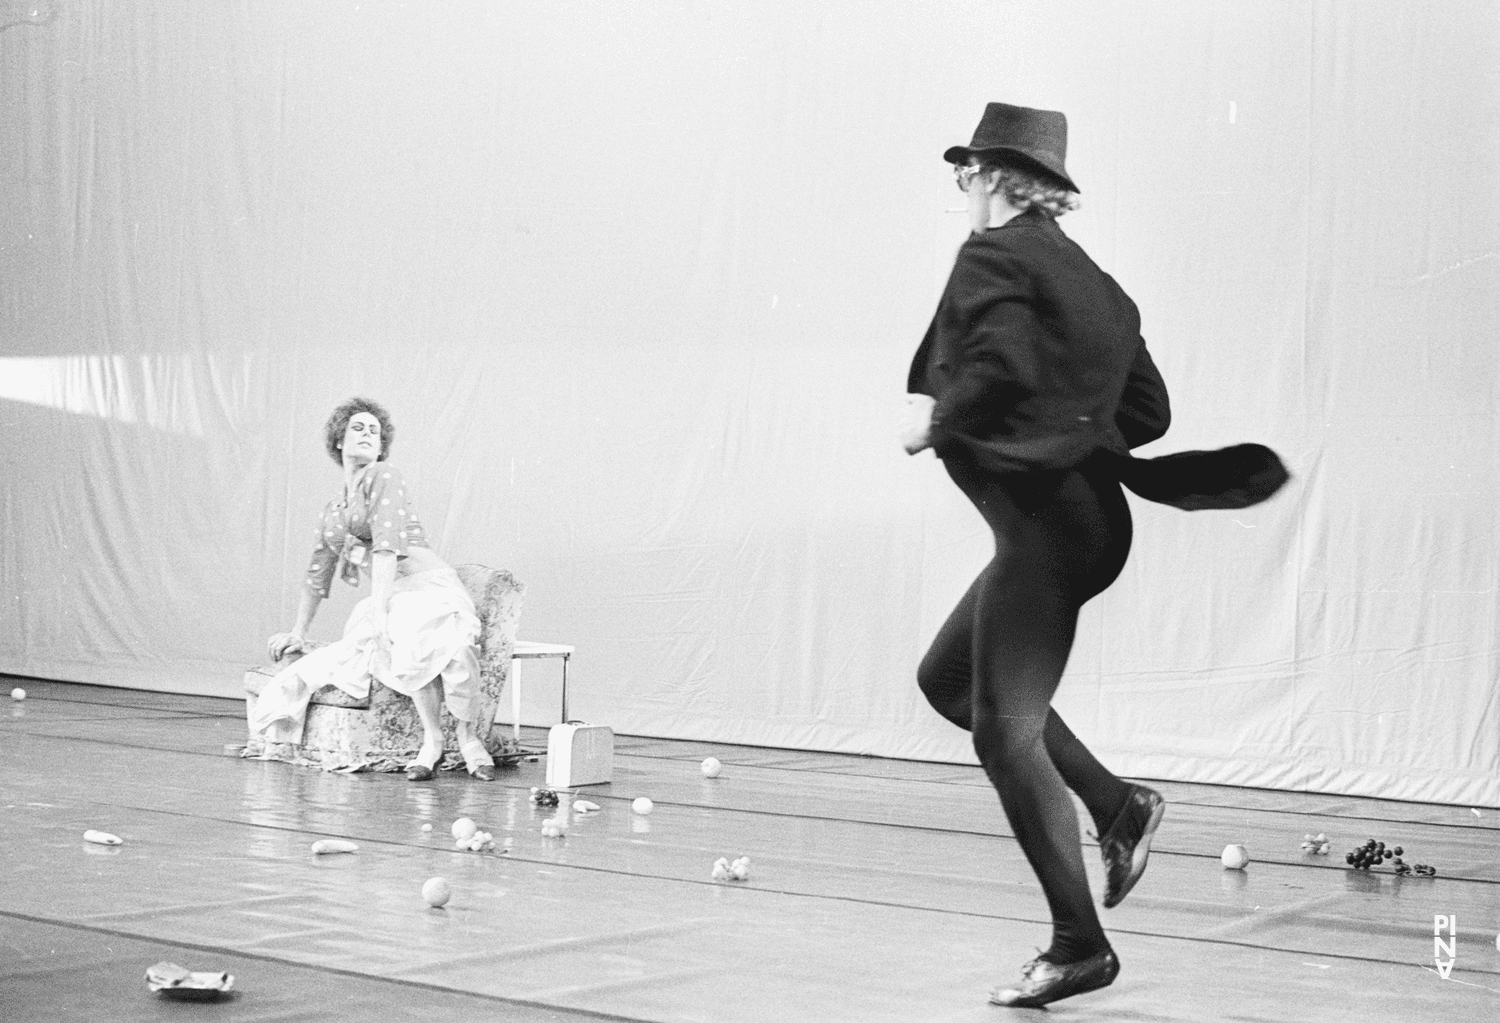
x: 879, y: 889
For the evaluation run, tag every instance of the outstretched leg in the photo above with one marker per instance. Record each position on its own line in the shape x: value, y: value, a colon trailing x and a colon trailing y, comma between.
x: 461, y: 690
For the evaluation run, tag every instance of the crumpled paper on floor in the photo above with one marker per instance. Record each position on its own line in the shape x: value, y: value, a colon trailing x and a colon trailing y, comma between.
x: 174, y: 981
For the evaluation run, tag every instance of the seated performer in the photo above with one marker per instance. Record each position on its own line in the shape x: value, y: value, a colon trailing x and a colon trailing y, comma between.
x: 418, y: 623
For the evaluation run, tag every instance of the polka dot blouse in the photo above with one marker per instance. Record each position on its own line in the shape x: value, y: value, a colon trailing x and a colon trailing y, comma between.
x: 378, y: 516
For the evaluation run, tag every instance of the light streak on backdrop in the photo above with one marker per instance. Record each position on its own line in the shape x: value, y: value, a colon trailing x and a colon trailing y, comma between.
x: 159, y: 391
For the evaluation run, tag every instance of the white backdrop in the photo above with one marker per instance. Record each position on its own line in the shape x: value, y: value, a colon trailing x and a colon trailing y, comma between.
x: 639, y: 284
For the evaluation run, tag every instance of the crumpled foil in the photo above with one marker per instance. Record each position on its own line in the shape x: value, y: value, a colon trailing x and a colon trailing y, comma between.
x: 175, y: 982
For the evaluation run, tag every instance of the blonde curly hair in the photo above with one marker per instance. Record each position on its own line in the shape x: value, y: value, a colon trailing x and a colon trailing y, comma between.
x: 1026, y: 189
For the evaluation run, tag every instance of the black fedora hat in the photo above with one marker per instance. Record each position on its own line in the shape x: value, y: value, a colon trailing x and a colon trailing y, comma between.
x: 1039, y: 138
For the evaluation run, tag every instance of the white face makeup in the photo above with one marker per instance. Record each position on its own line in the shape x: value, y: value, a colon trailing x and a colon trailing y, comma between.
x: 978, y: 194
x: 362, y: 439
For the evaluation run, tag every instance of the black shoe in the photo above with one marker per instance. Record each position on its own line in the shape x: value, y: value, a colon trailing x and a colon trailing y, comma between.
x: 1043, y: 982
x: 477, y: 759
x: 1127, y: 843
x: 418, y: 771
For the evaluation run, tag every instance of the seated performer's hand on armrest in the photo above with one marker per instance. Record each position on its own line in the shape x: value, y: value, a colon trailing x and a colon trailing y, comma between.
x: 284, y: 644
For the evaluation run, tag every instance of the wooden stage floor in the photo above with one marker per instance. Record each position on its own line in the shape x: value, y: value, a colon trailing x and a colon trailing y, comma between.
x: 880, y: 890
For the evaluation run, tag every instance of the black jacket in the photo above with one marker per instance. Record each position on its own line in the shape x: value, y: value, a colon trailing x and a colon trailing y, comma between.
x: 1034, y: 357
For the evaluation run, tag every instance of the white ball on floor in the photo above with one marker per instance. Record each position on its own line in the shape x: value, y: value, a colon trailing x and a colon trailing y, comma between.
x: 18, y: 693
x: 426, y: 827
x: 712, y: 767
x: 1235, y: 857
x: 464, y: 828
x: 436, y: 892
x: 642, y: 805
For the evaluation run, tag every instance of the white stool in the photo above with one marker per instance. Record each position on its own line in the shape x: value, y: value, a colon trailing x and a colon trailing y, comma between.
x: 527, y: 650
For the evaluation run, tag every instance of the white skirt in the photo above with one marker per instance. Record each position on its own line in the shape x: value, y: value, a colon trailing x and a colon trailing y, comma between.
x: 431, y: 630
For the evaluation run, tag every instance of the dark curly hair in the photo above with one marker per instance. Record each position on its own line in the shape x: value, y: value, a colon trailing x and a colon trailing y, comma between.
x: 339, y: 422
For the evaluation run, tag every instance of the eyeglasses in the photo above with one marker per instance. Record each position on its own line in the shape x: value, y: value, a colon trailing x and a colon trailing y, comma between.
x: 963, y: 174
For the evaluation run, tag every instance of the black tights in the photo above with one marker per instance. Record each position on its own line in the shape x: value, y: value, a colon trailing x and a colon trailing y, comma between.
x: 1061, y: 537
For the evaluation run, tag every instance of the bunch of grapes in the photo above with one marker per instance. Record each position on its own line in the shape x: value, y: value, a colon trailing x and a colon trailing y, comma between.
x: 1373, y: 854
x: 543, y: 797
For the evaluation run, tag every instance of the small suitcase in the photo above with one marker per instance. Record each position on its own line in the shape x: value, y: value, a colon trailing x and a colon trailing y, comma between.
x: 579, y: 754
